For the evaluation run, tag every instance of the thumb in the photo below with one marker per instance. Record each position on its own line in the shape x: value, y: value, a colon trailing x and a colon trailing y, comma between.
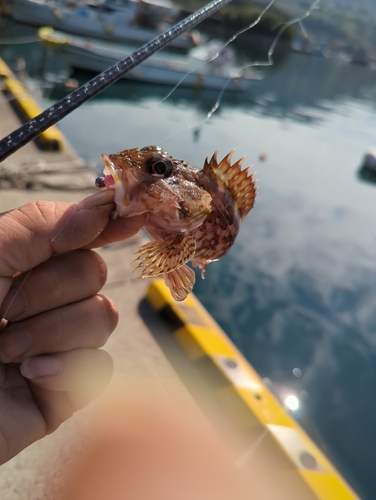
x: 38, y: 230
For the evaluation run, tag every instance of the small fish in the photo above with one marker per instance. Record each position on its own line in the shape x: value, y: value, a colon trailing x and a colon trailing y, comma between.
x: 193, y: 215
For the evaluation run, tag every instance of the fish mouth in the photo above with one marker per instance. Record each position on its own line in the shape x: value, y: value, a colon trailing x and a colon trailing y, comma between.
x: 115, y: 180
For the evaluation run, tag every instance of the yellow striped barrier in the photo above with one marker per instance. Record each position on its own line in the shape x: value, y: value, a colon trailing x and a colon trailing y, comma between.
x: 51, y: 139
x: 200, y: 336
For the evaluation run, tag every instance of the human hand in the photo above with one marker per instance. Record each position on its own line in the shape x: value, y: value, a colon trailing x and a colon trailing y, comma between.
x: 50, y: 361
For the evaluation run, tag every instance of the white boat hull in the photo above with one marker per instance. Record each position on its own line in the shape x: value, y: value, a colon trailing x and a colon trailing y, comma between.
x: 151, y: 71
x: 84, y: 23
x: 189, y: 70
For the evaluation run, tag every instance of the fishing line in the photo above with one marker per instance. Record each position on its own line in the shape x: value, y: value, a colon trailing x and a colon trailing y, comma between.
x: 11, y: 98
x: 56, y: 112
x: 240, y: 461
x: 304, y: 31
x: 86, y: 89
x: 230, y: 40
x: 46, y: 246
x: 4, y: 316
x: 19, y: 40
x: 267, y: 63
x: 298, y: 19
x: 7, y: 99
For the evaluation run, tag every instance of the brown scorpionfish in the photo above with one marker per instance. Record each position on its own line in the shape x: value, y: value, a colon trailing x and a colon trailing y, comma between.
x: 193, y: 215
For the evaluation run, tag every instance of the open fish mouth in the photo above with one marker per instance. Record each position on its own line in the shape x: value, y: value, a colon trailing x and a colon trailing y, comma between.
x: 114, y: 179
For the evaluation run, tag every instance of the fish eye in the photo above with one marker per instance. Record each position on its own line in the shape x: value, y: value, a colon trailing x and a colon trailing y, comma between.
x: 159, y: 166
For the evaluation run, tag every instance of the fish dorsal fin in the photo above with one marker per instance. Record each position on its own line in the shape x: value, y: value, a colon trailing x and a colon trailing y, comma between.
x: 160, y: 257
x: 241, y: 185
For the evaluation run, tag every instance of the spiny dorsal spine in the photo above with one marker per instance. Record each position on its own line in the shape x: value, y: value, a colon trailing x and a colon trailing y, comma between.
x: 240, y: 184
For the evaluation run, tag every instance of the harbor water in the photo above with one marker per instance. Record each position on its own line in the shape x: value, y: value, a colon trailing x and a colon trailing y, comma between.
x: 297, y: 292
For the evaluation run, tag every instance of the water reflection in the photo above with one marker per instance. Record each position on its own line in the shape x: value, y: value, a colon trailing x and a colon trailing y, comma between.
x: 303, y: 92
x: 297, y: 88
x: 296, y: 82
x: 292, y: 402
x: 302, y: 289
x: 139, y: 92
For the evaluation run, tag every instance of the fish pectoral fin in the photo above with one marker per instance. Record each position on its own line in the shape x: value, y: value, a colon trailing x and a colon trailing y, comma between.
x: 161, y: 257
x: 180, y: 282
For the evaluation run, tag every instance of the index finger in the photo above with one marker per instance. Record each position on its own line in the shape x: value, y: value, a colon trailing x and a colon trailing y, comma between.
x: 36, y: 231
x: 33, y: 233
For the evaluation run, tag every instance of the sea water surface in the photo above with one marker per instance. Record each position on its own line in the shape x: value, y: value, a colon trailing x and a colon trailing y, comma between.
x: 297, y: 292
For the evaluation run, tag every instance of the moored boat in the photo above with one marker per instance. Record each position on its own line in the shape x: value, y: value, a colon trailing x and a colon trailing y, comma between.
x: 130, y: 21
x: 196, y: 69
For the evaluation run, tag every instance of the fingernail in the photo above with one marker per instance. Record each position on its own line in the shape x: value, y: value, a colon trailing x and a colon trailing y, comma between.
x: 14, y: 343
x: 40, y: 366
x: 14, y: 303
x: 97, y: 200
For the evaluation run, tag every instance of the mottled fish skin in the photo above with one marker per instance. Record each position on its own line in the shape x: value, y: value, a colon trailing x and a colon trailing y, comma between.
x: 216, y: 235
x: 193, y: 215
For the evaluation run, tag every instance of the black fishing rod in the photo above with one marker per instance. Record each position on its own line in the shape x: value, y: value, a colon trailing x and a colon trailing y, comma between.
x: 34, y: 127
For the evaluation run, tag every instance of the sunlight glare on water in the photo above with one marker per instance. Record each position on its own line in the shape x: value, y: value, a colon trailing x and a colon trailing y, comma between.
x: 292, y: 402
